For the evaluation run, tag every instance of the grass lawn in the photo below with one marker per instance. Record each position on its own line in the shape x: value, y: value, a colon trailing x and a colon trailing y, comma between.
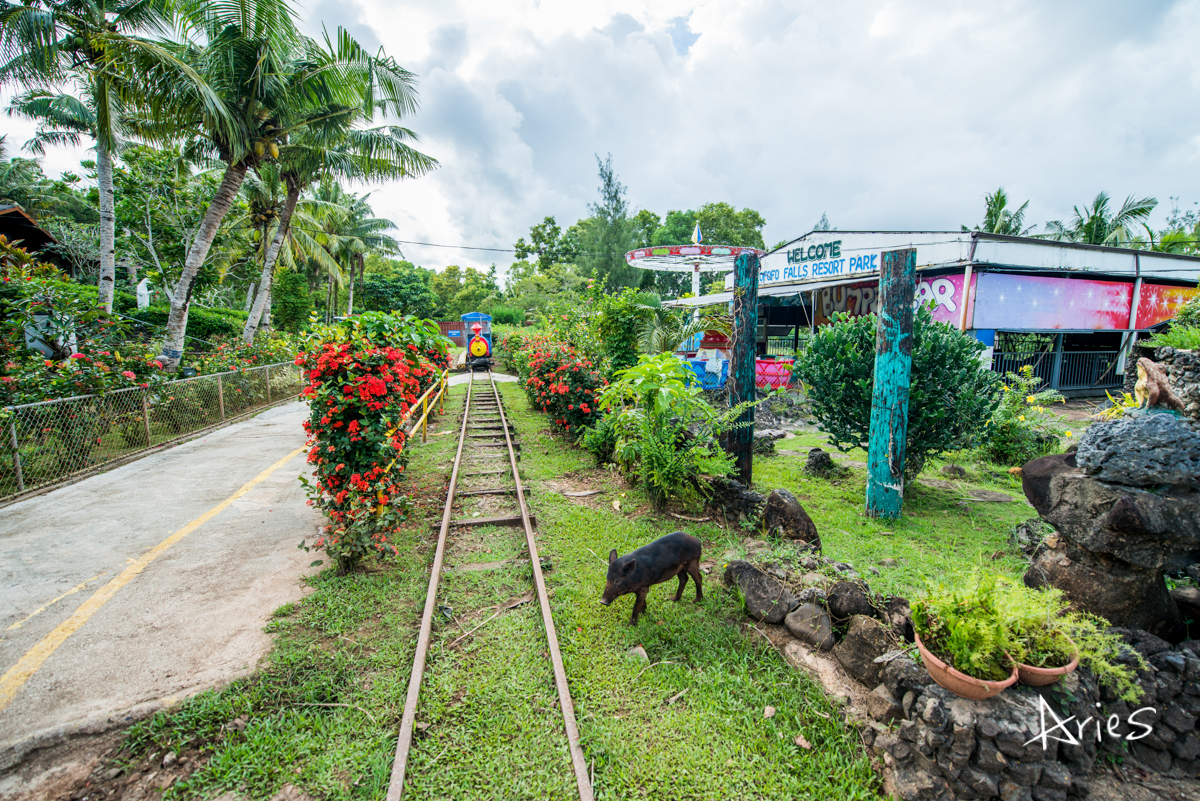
x: 324, y: 710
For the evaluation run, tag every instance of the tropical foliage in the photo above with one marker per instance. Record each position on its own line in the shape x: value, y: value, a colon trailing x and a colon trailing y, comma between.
x: 951, y: 398
x: 1023, y: 427
x: 660, y: 429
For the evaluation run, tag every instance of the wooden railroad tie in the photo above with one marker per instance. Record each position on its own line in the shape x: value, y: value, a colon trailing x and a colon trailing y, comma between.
x: 503, y: 520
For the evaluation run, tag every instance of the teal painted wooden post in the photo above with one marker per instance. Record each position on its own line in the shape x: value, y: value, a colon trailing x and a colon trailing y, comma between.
x: 740, y: 442
x: 889, y: 394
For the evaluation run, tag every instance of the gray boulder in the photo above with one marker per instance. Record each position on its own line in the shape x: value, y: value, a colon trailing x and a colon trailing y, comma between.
x: 1124, y: 594
x: 1142, y: 450
x: 819, y: 463
x: 866, y: 639
x: 811, y: 624
x: 767, y: 599
x: 783, y: 513
x: 847, y: 599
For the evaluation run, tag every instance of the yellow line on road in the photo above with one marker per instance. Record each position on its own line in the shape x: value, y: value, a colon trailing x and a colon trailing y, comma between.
x: 18, y: 674
x: 49, y: 604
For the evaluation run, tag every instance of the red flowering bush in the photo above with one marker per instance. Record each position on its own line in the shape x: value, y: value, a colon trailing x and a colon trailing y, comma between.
x: 561, y: 382
x: 363, y: 376
x: 357, y: 394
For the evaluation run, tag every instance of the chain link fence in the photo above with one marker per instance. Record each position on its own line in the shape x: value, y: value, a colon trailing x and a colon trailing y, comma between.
x: 45, y: 443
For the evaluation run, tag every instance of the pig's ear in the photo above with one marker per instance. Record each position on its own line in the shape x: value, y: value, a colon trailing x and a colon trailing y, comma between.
x: 612, y: 556
x: 627, y: 568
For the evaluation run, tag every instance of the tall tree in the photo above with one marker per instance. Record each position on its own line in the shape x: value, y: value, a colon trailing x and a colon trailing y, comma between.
x: 99, y: 46
x: 609, y: 234
x: 547, y: 244
x: 244, y: 51
x: 348, y: 232
x: 1097, y: 224
x: 998, y: 218
x: 329, y: 146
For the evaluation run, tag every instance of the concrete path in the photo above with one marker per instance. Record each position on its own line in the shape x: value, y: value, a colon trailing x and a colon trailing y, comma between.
x: 90, y: 641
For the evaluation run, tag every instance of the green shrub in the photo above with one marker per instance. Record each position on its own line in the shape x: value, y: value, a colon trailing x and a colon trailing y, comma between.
x: 660, y: 429
x: 202, y: 324
x: 1189, y: 313
x: 951, y: 395
x: 619, y: 325
x: 1180, y: 337
x: 1022, y: 428
x: 507, y: 315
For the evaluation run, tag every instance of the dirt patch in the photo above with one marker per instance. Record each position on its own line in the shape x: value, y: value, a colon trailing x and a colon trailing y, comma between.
x: 1132, y: 784
x: 91, y: 767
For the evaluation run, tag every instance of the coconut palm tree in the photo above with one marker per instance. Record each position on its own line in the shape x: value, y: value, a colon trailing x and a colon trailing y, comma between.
x: 1098, y: 225
x: 346, y: 153
x: 999, y: 219
x: 348, y: 236
x: 21, y: 182
x: 276, y: 84
x: 100, y: 47
x: 267, y: 197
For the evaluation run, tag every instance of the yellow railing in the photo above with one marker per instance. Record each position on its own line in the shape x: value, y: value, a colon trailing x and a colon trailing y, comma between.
x: 425, y: 402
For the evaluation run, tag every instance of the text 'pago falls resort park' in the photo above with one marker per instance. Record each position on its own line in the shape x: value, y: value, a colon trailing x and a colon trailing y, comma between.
x: 710, y: 400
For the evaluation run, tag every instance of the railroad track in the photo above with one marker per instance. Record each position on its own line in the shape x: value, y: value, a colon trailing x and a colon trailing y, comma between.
x: 483, y: 422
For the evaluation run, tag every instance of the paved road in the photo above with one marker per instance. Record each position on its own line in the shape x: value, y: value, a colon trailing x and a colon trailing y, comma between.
x: 192, y: 617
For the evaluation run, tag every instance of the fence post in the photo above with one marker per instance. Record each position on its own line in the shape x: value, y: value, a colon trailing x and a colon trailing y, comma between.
x: 739, y: 442
x: 889, y: 394
x: 221, y: 397
x: 445, y: 381
x: 17, y: 457
x: 268, y: 369
x: 146, y: 418
x: 424, y: 417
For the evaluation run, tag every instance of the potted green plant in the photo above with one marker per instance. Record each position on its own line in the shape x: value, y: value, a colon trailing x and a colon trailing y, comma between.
x: 1049, y: 640
x: 962, y: 639
x: 1036, y: 622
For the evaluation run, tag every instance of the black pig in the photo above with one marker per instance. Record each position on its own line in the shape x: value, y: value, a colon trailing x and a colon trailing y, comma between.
x: 676, y: 554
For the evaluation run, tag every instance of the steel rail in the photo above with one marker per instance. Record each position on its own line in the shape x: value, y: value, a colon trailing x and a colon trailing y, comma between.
x: 560, y: 674
x: 404, y: 741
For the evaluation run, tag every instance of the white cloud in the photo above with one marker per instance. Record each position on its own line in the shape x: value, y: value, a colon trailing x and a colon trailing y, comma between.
x: 884, y: 114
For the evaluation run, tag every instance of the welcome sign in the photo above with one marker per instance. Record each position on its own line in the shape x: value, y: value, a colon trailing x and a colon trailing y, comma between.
x: 820, y: 260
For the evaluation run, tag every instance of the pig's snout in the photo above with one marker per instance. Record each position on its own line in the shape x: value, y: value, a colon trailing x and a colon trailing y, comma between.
x: 605, y: 602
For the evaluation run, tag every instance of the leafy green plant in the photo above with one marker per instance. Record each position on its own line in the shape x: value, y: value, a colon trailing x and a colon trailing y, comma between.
x: 951, y: 395
x: 1043, y: 631
x: 961, y: 623
x: 660, y: 429
x: 507, y: 315
x: 982, y: 621
x: 1117, y: 406
x: 1022, y: 428
x: 619, y: 323
x: 1180, y: 337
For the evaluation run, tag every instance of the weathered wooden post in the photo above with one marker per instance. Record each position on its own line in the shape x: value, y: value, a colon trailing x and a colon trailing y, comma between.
x: 740, y: 441
x: 889, y: 394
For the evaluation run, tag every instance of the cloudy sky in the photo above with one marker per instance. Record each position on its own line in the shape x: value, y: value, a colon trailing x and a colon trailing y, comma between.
x: 884, y: 115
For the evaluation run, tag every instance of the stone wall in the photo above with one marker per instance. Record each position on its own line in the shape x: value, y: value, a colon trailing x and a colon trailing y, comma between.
x: 947, y: 747
x: 935, y: 745
x: 1183, y: 372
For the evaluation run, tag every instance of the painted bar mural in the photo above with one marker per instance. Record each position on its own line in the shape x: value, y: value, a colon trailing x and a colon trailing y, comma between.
x: 1033, y: 303
x: 944, y: 291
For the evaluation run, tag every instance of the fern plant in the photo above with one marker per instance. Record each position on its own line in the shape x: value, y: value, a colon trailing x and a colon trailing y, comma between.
x: 660, y: 429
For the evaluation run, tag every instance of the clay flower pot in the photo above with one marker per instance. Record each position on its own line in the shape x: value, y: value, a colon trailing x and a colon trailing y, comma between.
x: 959, y: 683
x: 1040, y: 677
